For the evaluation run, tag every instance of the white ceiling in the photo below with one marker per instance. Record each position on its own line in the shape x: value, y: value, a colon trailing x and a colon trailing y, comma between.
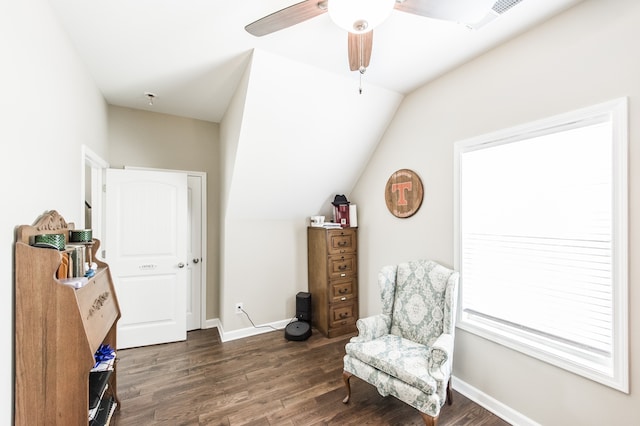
x: 191, y: 53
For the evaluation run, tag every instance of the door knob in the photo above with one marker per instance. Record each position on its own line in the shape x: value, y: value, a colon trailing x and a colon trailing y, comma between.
x: 196, y: 260
x: 180, y: 265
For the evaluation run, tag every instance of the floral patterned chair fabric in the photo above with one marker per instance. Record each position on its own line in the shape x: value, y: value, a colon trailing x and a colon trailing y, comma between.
x: 407, y: 350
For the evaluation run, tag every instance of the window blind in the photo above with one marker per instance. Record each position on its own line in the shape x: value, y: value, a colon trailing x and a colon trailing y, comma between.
x: 536, y: 241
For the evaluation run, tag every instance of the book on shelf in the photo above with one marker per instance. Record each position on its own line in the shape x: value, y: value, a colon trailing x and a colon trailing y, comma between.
x: 103, y: 412
x: 98, y: 381
x: 93, y: 412
x: 331, y: 225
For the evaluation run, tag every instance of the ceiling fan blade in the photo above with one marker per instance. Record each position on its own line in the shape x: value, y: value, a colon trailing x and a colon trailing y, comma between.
x: 463, y: 11
x: 287, y: 17
x: 360, y: 46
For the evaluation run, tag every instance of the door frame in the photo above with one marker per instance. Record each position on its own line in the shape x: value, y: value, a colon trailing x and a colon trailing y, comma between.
x: 98, y: 166
x: 203, y: 265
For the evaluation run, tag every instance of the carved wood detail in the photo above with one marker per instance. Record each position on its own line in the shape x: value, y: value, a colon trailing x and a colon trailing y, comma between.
x: 50, y: 222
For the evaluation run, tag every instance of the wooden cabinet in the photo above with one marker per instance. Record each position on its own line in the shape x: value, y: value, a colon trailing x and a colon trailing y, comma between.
x: 333, y: 279
x: 58, y: 329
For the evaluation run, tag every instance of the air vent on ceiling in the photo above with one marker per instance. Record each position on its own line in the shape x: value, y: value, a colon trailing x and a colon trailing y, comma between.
x: 499, y: 7
x: 502, y: 6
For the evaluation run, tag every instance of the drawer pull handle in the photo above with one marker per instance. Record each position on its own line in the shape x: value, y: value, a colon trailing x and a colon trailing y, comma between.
x: 342, y: 267
x: 343, y: 298
x: 343, y: 322
x: 343, y: 275
x: 342, y: 243
x: 343, y: 290
x: 344, y: 315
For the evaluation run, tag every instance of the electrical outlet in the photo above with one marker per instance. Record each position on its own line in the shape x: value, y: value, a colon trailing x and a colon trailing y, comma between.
x: 239, y: 308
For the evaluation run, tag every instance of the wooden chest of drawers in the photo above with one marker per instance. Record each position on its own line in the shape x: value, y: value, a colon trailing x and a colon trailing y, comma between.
x: 333, y: 279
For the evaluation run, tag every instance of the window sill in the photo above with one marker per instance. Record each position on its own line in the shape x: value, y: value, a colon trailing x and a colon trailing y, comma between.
x: 571, y: 361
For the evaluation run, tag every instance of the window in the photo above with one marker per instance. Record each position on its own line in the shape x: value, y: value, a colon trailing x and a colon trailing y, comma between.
x: 541, y: 240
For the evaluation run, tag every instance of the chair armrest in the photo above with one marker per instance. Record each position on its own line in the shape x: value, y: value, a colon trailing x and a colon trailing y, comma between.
x: 441, y: 356
x: 372, y: 327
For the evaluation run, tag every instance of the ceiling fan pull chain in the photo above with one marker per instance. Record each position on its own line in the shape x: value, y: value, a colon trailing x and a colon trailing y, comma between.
x: 362, y: 69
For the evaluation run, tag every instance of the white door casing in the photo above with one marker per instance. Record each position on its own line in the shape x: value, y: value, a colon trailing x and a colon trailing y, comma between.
x: 194, y: 252
x: 94, y: 176
x: 146, y: 248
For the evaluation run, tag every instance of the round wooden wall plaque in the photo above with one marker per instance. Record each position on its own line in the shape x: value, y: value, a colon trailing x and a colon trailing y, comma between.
x: 403, y: 193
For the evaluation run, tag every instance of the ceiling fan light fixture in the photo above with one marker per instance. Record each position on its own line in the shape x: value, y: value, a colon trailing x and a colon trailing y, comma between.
x: 359, y: 16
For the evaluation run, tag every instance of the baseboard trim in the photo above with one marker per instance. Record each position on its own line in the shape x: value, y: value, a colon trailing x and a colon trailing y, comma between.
x: 212, y: 323
x: 227, y: 336
x: 501, y: 410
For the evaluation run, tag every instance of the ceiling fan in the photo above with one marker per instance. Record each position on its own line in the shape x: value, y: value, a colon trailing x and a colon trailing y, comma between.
x: 360, y: 17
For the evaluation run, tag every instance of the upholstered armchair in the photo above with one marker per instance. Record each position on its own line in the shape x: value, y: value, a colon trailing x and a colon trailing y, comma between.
x: 407, y: 350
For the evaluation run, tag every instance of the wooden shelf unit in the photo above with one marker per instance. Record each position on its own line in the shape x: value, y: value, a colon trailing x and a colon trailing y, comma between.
x: 58, y: 329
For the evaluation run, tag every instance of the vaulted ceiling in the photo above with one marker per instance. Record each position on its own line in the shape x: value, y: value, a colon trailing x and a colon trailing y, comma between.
x: 191, y: 53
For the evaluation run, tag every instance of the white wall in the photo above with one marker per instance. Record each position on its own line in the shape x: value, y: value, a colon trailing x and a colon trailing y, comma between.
x: 298, y: 137
x: 584, y: 56
x: 146, y: 139
x: 230, y: 133
x: 49, y: 106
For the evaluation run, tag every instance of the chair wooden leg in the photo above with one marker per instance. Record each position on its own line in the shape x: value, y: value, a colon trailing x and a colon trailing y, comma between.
x: 345, y: 377
x: 449, y: 393
x: 428, y: 420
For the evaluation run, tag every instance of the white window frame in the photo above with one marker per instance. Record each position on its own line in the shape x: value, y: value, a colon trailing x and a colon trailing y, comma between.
x: 617, y: 376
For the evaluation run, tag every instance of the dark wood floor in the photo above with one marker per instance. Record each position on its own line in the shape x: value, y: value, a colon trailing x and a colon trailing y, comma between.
x: 260, y: 380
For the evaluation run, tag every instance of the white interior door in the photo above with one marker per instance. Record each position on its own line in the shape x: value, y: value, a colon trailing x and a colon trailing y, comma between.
x: 146, y: 248
x: 194, y: 252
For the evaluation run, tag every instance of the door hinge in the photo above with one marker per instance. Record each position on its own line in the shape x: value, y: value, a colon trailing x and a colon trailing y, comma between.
x: 104, y: 187
x: 104, y: 254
